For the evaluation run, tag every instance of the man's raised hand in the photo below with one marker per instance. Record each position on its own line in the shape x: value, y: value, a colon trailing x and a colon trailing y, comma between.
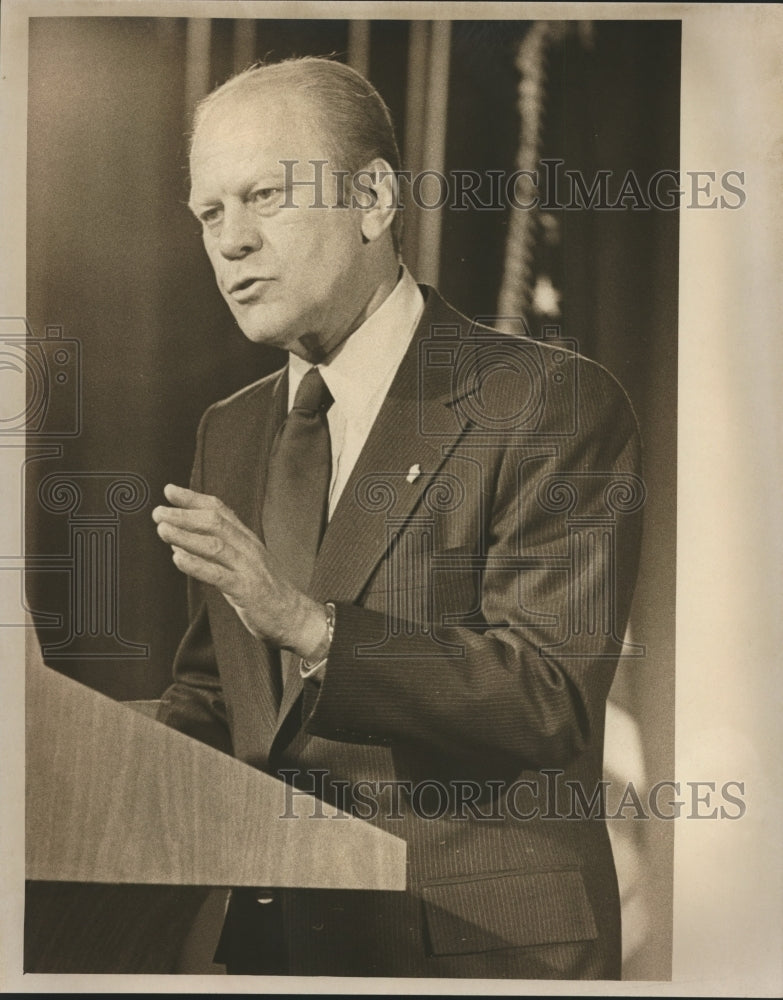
x: 211, y: 544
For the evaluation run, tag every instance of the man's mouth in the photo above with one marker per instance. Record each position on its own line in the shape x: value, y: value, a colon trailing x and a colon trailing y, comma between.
x: 247, y: 288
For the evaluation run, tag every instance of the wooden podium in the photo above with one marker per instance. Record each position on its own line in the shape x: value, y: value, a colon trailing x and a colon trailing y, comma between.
x: 118, y: 806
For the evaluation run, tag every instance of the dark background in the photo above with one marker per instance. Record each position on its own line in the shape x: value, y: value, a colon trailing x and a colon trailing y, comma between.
x: 116, y: 260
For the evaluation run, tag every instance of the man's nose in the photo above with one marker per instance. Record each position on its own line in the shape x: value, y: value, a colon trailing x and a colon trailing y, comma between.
x: 240, y: 233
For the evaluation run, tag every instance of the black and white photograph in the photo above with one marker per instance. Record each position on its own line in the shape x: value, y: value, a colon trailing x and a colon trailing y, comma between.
x: 391, y: 542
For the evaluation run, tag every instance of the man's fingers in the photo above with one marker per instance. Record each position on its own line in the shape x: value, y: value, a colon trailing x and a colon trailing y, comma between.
x: 202, y: 569
x: 180, y: 496
x: 226, y: 535
x: 204, y: 521
x: 207, y: 510
x: 208, y: 546
x: 190, y: 501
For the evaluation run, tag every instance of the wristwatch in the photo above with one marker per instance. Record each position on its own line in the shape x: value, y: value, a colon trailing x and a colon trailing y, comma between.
x: 307, y: 669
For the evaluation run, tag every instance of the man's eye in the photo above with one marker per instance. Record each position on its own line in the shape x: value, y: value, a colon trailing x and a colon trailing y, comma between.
x: 266, y: 198
x: 210, y: 216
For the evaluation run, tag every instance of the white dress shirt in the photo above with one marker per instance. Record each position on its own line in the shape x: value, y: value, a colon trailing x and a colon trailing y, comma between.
x: 359, y: 373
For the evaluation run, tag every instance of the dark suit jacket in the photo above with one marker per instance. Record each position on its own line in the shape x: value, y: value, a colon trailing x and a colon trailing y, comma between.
x: 481, y: 559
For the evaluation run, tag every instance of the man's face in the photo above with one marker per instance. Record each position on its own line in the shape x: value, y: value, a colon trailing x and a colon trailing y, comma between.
x: 287, y: 273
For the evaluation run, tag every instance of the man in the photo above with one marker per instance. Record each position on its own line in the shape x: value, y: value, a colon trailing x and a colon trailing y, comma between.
x: 411, y: 554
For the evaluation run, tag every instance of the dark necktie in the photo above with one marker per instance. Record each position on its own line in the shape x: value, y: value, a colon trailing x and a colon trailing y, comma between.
x: 297, y: 488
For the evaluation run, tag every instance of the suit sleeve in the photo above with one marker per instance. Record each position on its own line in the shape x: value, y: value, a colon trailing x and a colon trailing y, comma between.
x: 529, y: 683
x: 194, y: 703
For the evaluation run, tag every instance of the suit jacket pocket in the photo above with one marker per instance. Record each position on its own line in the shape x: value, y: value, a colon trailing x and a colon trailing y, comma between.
x: 507, y: 910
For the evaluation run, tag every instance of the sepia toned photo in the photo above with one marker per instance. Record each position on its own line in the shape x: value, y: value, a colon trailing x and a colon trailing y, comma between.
x: 351, y: 434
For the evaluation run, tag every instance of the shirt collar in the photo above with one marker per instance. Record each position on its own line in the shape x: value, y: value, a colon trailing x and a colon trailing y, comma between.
x: 367, y: 360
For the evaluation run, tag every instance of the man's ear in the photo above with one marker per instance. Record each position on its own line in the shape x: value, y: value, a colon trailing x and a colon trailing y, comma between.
x: 375, y: 192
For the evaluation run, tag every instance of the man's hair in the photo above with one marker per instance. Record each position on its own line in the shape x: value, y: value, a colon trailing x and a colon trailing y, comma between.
x: 353, y: 119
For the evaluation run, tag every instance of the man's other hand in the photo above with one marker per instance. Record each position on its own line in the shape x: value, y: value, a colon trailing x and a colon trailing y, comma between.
x: 211, y: 544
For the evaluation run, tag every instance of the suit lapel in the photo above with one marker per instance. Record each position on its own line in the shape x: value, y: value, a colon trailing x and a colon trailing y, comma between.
x: 253, y: 490
x: 415, y: 427
x: 244, y: 461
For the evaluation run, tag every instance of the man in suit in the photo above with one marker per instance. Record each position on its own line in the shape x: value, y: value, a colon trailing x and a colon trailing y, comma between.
x: 424, y: 628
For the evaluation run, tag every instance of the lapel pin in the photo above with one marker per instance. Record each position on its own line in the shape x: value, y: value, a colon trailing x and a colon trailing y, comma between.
x: 413, y: 473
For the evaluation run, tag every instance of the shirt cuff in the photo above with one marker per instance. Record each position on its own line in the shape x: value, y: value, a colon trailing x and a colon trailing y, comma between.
x: 312, y: 672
